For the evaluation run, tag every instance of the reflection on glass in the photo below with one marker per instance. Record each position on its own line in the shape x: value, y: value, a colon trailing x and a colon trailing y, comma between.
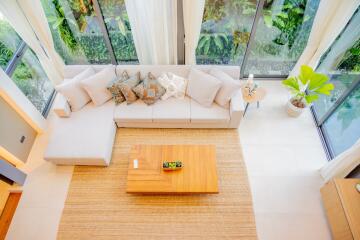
x: 118, y: 26
x: 76, y: 31
x: 342, y: 63
x: 32, y: 80
x: 9, y: 42
x: 343, y: 127
x: 281, y: 36
x: 225, y: 31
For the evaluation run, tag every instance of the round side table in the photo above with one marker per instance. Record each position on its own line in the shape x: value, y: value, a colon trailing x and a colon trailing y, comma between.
x: 255, y: 97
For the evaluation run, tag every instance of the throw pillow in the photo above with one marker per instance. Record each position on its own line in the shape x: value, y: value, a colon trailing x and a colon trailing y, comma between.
x: 114, y: 88
x: 127, y: 86
x: 72, y: 90
x: 96, y: 86
x: 174, y: 85
x: 149, y: 90
x: 228, y: 88
x: 202, y: 87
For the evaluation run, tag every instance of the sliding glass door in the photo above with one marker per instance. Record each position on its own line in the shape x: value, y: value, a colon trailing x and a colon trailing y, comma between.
x: 338, y: 115
x: 264, y: 37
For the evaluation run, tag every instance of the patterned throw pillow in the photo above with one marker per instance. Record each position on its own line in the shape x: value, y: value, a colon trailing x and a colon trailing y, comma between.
x: 149, y: 90
x: 114, y: 88
x: 174, y: 85
x: 126, y: 88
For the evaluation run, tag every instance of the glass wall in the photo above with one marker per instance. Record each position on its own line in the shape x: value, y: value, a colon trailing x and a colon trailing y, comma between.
x: 281, y: 36
x: 225, y: 31
x: 118, y: 27
x: 338, y: 115
x: 9, y: 42
x: 274, y: 34
x: 80, y: 35
x: 23, y: 67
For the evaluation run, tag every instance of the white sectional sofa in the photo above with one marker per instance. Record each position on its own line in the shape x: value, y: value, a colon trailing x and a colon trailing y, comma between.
x: 86, y: 136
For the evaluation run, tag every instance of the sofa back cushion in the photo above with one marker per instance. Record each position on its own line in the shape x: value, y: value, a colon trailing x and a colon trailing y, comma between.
x: 180, y: 70
x: 96, y: 85
x: 202, y: 87
x: 228, y: 88
x: 73, y: 91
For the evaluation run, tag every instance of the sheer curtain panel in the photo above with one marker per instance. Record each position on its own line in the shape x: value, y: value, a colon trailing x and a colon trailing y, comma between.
x: 154, y: 29
x: 331, y: 17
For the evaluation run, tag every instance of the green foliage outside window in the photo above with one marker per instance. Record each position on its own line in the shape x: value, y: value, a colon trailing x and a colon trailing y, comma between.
x: 226, y: 45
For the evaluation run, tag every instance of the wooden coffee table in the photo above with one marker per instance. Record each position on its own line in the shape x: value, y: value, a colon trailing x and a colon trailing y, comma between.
x: 198, y: 175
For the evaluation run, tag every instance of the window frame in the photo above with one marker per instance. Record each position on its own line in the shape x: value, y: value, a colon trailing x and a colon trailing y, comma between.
x: 15, y: 61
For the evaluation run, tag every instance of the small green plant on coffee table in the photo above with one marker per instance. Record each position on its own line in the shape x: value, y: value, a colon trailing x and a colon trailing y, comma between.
x: 172, y: 165
x: 307, y: 86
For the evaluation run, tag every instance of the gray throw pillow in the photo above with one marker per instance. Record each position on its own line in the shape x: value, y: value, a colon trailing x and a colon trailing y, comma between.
x: 149, y: 90
x: 114, y: 88
x: 126, y: 88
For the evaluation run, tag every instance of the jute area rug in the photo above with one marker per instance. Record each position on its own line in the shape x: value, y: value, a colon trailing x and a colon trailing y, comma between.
x: 97, y: 206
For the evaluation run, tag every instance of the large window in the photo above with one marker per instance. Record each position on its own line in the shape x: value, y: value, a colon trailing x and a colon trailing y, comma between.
x: 225, y: 31
x: 23, y: 67
x: 90, y: 32
x: 264, y: 37
x: 280, y: 37
x: 338, y: 115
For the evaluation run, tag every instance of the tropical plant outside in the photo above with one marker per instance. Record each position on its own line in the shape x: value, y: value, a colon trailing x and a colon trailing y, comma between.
x: 279, y: 40
x: 77, y: 35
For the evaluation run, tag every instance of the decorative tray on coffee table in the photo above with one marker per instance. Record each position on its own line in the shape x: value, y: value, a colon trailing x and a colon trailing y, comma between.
x: 172, y: 166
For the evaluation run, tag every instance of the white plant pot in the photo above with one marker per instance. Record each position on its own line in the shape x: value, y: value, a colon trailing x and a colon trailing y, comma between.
x: 292, y: 110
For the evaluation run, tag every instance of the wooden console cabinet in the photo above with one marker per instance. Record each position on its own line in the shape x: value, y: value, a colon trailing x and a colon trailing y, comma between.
x: 342, y: 204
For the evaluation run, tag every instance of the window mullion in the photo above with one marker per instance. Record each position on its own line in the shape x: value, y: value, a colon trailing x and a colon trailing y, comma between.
x: 104, y: 31
x: 259, y: 9
x: 16, y: 59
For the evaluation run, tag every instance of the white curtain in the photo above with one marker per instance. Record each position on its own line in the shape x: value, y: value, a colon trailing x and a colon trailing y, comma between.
x: 346, y: 41
x: 29, y: 21
x: 154, y: 29
x: 343, y: 164
x: 193, y: 13
x: 331, y: 17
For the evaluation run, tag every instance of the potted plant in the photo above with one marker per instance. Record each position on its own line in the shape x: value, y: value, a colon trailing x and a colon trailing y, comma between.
x: 306, y: 89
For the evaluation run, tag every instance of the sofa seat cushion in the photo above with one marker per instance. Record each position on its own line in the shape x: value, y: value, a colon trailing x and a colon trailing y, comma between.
x: 213, y: 114
x: 86, y: 138
x: 172, y: 110
x: 135, y: 112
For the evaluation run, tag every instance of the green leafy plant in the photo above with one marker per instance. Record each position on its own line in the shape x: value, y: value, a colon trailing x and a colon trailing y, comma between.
x: 61, y: 24
x: 288, y: 21
x: 307, y: 86
x: 216, y: 41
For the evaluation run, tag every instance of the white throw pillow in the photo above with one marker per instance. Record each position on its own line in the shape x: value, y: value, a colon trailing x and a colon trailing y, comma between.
x: 72, y: 90
x: 174, y: 85
x: 228, y: 88
x: 96, y: 86
x: 202, y: 87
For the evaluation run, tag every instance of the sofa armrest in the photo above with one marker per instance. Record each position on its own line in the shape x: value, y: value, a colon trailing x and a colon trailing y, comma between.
x: 236, y: 109
x: 61, y: 107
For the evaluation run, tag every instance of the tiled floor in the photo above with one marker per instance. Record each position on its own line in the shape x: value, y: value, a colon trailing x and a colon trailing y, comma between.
x: 282, y: 154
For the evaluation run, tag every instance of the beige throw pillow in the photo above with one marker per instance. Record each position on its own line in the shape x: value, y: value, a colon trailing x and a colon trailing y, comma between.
x: 74, y: 93
x: 228, y: 88
x: 149, y: 90
x: 96, y: 86
x: 114, y: 88
x: 202, y: 87
x: 126, y: 88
